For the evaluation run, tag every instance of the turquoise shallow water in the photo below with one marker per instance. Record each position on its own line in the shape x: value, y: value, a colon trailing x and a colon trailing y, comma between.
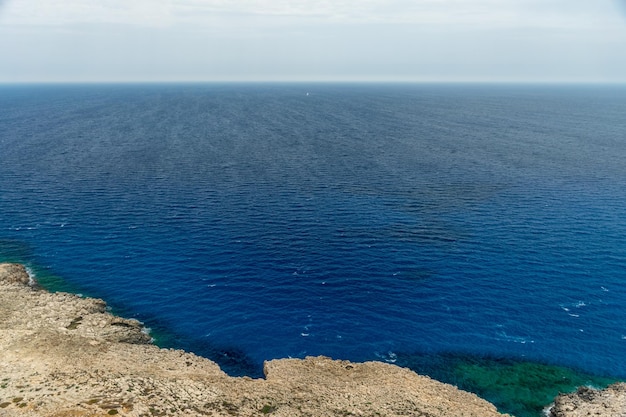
x: 249, y: 222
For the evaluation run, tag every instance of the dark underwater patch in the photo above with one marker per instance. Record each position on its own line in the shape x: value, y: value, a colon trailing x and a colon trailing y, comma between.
x: 520, y: 388
x: 13, y: 250
x: 232, y: 360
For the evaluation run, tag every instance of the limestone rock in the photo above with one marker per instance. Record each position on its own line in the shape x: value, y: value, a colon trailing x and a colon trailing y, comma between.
x: 609, y: 402
x: 14, y: 274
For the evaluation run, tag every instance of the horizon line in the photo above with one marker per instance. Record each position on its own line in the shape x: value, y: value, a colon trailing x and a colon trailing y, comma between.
x: 313, y: 81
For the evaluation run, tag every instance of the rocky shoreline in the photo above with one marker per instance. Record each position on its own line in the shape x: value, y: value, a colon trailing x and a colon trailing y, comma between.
x: 66, y: 356
x: 609, y: 402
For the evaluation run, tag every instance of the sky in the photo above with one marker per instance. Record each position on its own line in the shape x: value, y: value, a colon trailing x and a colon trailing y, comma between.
x: 313, y: 40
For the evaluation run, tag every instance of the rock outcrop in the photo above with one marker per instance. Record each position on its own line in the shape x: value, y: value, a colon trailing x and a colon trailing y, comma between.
x: 62, y: 355
x: 609, y: 402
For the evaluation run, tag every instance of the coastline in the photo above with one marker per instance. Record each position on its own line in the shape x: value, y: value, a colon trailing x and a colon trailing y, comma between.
x: 67, y: 356
x: 64, y: 355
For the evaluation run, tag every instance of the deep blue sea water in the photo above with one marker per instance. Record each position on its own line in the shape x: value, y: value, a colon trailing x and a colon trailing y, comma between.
x: 249, y: 222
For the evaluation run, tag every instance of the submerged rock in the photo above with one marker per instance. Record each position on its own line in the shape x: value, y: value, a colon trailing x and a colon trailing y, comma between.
x: 521, y: 388
x: 64, y: 355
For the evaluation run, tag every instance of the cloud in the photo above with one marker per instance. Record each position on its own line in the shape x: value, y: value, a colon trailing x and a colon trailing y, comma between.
x: 42, y: 12
x: 311, y: 39
x: 159, y: 13
x: 485, y: 13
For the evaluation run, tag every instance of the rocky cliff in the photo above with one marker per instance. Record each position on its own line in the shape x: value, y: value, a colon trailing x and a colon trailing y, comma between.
x: 65, y: 356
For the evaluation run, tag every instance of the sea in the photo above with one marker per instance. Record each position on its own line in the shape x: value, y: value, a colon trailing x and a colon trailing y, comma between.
x: 472, y: 232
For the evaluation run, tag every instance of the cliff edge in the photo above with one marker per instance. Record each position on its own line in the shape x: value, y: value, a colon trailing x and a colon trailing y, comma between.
x: 62, y: 355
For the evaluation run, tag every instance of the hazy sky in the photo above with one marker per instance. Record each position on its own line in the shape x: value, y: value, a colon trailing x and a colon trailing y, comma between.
x: 289, y: 40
